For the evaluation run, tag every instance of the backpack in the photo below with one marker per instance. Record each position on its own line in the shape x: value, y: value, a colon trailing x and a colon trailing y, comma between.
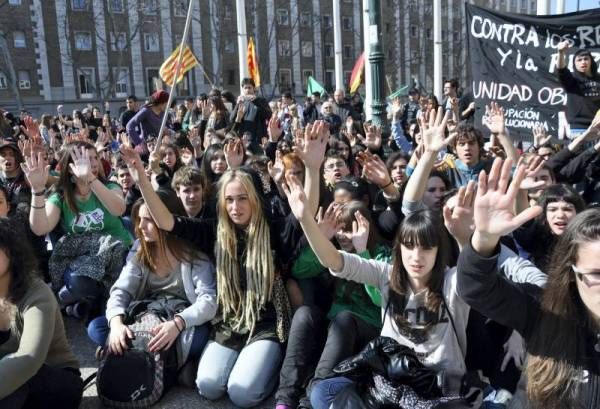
x: 138, y: 378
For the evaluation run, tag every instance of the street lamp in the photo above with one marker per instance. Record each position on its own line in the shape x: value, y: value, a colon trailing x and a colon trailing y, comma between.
x: 376, y: 60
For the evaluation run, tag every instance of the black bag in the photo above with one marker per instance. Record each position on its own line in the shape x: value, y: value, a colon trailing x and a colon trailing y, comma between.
x: 138, y: 378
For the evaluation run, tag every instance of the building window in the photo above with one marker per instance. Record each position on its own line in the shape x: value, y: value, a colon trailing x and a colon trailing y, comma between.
x: 118, y: 41
x: 181, y: 8
x: 79, y: 4
x: 456, y: 36
x: 328, y: 50
x: 414, y: 32
x: 24, y: 81
x: 307, y: 49
x: 428, y: 33
x: 149, y: 7
x: 14, y: 3
x: 348, y: 51
x: 3, y: 81
x: 327, y: 21
x: 227, y: 12
x: 284, y: 47
x: 329, y: 79
x: 230, y: 45
x: 305, y: 19
x: 305, y: 75
x: 285, y: 79
x: 116, y: 6
x: 283, y: 17
x: 414, y: 56
x: 151, y: 42
x: 231, y: 77
x: 83, y: 40
x: 86, y: 82
x: 347, y: 75
x: 347, y: 23
x: 153, y: 80
x: 121, y: 82
x: 19, y: 39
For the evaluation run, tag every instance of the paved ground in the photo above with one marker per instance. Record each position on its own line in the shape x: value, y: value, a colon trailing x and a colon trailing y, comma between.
x: 179, y: 397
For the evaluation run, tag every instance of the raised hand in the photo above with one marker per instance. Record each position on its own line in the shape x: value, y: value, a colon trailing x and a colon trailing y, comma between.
x: 274, y: 129
x: 563, y: 46
x: 241, y: 111
x: 276, y: 170
x: 134, y: 163
x: 495, y: 202
x: 36, y: 171
x: 458, y: 213
x: 360, y: 232
x: 372, y: 137
x: 328, y: 221
x: 540, y: 137
x: 374, y: 170
x: 434, y: 131
x: 533, y: 167
x: 296, y: 197
x: 31, y: 128
x: 494, y: 118
x: 312, y: 148
x: 234, y: 153
x: 81, y: 166
x: 206, y: 109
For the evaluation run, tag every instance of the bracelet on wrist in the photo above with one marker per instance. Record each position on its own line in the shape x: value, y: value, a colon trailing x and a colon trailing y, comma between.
x: 179, y: 328
x: 388, y: 185
x: 40, y: 193
x: 38, y: 207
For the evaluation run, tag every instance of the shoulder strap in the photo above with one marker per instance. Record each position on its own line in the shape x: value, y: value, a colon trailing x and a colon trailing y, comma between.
x: 451, y: 318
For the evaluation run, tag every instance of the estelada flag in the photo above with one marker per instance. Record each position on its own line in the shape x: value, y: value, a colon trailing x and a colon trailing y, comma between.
x: 357, y: 73
x: 253, y: 63
x: 168, y: 68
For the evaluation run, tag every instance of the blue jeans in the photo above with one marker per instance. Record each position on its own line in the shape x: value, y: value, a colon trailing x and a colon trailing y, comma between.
x: 248, y: 376
x: 323, y: 392
x: 98, y: 331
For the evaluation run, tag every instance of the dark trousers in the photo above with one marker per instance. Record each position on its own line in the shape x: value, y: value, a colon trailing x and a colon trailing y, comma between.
x: 48, y: 388
x: 347, y: 335
x: 305, y: 343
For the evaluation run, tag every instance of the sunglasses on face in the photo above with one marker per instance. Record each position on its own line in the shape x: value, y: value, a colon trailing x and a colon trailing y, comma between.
x: 589, y: 279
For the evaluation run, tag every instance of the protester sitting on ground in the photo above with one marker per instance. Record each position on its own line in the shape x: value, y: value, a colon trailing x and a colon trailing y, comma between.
x: 349, y: 224
x: 173, y: 279
x: 189, y: 186
x: 212, y: 167
x: 12, y: 176
x: 244, y: 353
x: 560, y: 203
x: 559, y: 324
x: 82, y: 204
x: 37, y: 365
x: 582, y: 86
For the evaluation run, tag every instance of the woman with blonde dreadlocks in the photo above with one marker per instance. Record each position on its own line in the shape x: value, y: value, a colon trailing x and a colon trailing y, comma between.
x: 251, y: 248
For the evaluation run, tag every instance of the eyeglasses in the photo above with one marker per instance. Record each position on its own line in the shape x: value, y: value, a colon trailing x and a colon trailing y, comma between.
x: 589, y: 279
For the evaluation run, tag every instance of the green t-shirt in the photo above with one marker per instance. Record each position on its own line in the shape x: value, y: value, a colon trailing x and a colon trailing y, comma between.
x: 93, y: 216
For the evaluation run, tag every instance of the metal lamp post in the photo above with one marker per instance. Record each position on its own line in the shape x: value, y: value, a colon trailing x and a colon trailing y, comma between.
x: 378, y: 113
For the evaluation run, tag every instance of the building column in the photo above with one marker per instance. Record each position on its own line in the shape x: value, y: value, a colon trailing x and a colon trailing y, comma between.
x: 39, y: 39
x: 317, y: 41
x: 407, y: 39
x: 215, y: 36
x: 272, y: 43
x: 450, y: 38
x: 67, y: 68
x: 101, y: 48
x: 296, y: 50
x: 165, y: 20
x: 135, y: 35
x: 197, y: 48
x: 398, y: 47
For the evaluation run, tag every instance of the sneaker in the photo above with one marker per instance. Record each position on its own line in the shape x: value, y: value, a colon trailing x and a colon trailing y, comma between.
x: 77, y: 310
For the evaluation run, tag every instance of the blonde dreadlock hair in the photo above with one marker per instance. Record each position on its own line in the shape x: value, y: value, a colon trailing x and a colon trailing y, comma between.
x: 242, y: 308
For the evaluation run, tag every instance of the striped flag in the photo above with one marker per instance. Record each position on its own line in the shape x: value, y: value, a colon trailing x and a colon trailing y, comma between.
x: 168, y: 68
x: 253, y: 63
x: 357, y: 73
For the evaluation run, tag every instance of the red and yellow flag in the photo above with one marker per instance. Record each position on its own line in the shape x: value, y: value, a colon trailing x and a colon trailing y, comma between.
x: 357, y: 73
x: 253, y: 63
x: 168, y: 68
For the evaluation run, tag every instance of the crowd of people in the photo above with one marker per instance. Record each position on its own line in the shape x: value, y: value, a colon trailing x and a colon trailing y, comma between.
x: 300, y: 250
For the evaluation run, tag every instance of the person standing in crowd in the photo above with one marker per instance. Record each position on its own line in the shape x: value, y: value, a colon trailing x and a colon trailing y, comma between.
x: 256, y: 112
x: 37, y: 365
x: 466, y: 108
x: 582, y: 86
x: 130, y: 111
x: 146, y: 122
x: 342, y: 107
x: 411, y: 108
x: 312, y: 108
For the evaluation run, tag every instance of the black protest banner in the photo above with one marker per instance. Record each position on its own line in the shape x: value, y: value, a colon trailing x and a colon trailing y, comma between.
x: 514, y: 59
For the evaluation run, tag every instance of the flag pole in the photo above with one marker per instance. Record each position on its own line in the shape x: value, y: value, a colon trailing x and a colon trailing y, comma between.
x: 177, y: 70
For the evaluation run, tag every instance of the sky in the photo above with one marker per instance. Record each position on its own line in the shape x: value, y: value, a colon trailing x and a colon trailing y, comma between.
x: 571, y: 5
